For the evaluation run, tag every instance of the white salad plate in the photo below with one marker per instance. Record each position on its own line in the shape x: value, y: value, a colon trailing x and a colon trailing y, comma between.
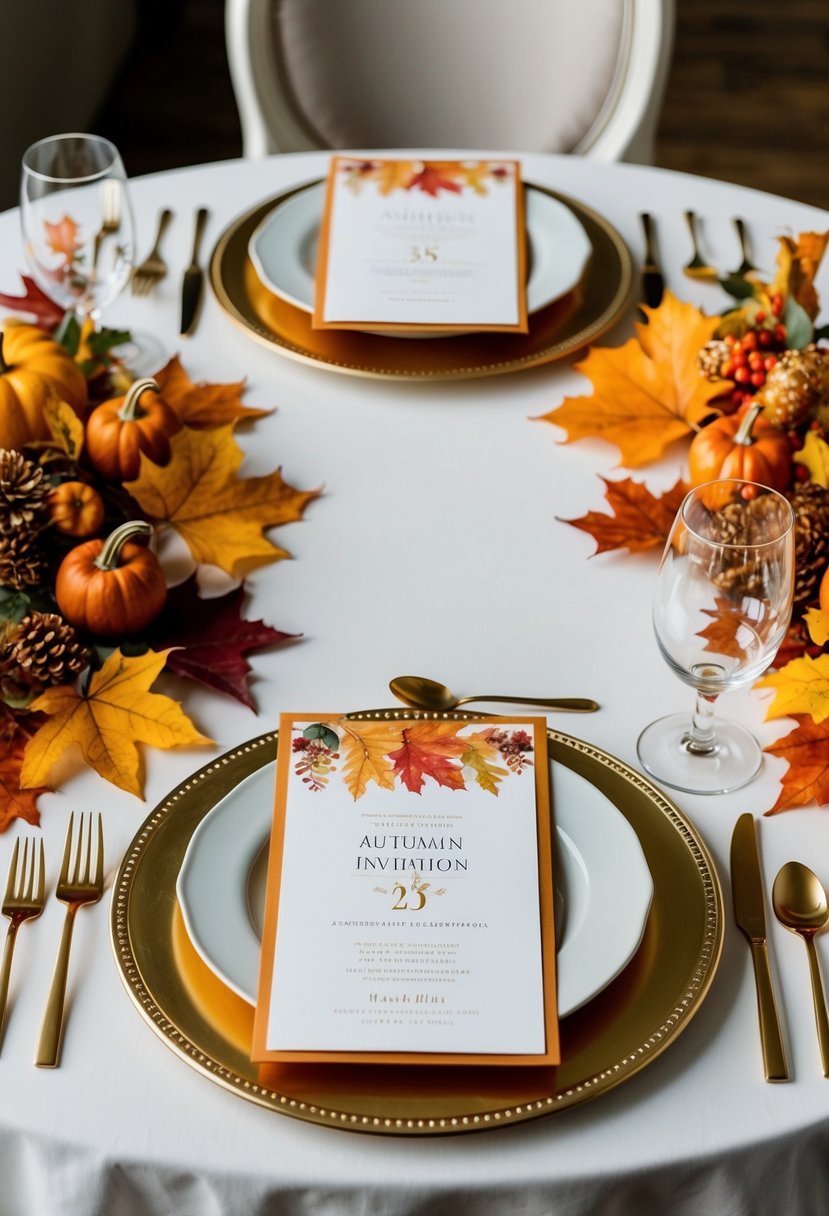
x: 603, y: 886
x: 283, y: 248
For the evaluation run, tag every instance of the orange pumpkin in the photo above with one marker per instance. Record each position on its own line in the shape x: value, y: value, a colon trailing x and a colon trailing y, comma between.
x: 118, y: 431
x: 824, y: 591
x: 76, y: 509
x: 743, y: 445
x: 34, y: 369
x: 112, y: 588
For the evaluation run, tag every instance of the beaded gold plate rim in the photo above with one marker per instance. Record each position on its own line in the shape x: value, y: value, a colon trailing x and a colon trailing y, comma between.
x: 561, y: 329
x: 605, y: 1043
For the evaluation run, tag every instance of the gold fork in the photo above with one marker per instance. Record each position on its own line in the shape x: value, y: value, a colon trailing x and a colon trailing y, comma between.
x: 23, y: 901
x: 153, y: 268
x: 110, y: 217
x: 81, y: 888
x: 697, y: 268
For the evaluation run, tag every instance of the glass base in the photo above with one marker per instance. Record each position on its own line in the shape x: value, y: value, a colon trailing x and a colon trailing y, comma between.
x: 663, y: 751
x: 143, y: 355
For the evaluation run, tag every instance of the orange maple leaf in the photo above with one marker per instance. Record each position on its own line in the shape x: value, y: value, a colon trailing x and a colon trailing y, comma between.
x: 798, y: 262
x: 220, y: 515
x: 203, y: 405
x: 63, y: 237
x: 807, y: 778
x: 427, y: 750
x: 16, y: 803
x: 639, y: 520
x: 648, y: 392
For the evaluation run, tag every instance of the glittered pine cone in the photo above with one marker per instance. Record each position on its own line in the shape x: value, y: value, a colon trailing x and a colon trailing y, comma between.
x: 22, y: 562
x: 43, y: 651
x: 796, y: 387
x: 23, y: 491
x: 811, y: 538
x: 711, y: 358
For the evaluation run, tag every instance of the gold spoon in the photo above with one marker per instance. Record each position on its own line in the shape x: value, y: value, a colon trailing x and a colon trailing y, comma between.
x: 420, y: 693
x: 800, y: 904
x: 697, y: 268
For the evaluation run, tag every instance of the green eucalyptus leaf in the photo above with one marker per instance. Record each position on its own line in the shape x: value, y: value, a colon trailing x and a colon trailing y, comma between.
x: 799, y: 328
x: 737, y: 286
x: 68, y: 333
x: 103, y: 340
x: 318, y: 730
x: 14, y: 606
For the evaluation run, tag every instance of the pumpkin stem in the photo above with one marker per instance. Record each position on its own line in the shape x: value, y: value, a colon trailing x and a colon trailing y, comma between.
x: 131, y: 408
x: 744, y: 435
x: 4, y: 367
x: 107, y: 559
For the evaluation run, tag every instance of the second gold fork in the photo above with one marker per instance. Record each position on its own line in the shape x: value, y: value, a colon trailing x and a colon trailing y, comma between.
x: 78, y: 884
x: 25, y: 894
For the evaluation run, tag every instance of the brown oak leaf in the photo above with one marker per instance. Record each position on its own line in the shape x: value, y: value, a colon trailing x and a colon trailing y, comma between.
x: 203, y: 405
x: 807, y: 778
x: 639, y: 519
x: 428, y: 749
x: 723, y: 634
x: 648, y: 392
x: 208, y: 639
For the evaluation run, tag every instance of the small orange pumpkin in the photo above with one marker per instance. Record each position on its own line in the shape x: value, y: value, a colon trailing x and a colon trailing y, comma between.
x: 118, y: 431
x: 824, y: 591
x: 112, y: 588
x: 34, y: 369
x: 76, y: 509
x: 743, y: 445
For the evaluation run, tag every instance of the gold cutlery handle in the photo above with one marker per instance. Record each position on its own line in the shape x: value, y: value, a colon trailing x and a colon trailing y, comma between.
x: 201, y: 220
x: 571, y: 705
x: 819, y: 1001
x: 163, y: 224
x: 771, y: 1036
x: 5, y: 971
x: 51, y: 1028
x: 647, y: 228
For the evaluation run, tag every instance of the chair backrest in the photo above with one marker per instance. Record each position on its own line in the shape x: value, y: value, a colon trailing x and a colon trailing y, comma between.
x: 581, y: 76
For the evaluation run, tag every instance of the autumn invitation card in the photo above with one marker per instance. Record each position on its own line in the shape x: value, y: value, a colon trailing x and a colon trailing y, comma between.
x: 410, y: 245
x: 409, y: 913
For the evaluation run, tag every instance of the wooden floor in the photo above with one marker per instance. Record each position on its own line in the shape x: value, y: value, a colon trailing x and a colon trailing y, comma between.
x: 747, y: 98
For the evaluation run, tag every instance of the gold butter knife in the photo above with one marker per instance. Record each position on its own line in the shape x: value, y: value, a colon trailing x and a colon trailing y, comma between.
x: 749, y: 912
x: 193, y: 284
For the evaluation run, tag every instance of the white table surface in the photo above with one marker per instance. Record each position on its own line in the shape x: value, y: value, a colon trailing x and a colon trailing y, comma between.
x: 435, y: 549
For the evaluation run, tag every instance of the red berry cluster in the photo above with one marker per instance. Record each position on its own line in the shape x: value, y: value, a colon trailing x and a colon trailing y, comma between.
x: 751, y: 357
x: 513, y: 748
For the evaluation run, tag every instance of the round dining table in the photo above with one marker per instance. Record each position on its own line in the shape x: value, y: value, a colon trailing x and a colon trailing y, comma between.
x: 436, y: 547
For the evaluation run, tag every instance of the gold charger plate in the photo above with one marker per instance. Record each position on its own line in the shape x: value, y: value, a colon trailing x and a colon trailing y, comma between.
x: 604, y: 1043
x: 560, y: 329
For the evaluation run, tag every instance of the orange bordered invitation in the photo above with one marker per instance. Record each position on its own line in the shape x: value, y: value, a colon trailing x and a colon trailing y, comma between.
x: 422, y: 248
x: 409, y: 908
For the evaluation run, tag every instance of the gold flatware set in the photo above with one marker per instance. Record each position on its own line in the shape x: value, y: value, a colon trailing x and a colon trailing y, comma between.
x: 800, y: 904
x: 81, y: 881
x: 149, y: 273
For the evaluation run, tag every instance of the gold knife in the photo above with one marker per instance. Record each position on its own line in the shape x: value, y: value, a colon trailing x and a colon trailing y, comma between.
x: 749, y: 912
x: 193, y: 283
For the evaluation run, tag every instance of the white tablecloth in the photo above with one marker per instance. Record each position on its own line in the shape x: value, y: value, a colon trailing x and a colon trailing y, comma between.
x: 435, y: 549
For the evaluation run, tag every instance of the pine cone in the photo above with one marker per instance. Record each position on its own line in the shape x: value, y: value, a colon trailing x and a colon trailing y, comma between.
x: 22, y: 563
x: 743, y: 522
x: 811, y: 536
x: 711, y: 358
x: 796, y: 387
x: 42, y: 651
x: 22, y: 492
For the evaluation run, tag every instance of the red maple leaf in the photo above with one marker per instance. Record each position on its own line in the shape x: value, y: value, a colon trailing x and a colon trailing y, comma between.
x: 723, y: 635
x: 639, y: 521
x: 807, y: 778
x: 35, y: 303
x: 427, y: 750
x: 431, y: 180
x: 16, y: 803
x: 213, y: 638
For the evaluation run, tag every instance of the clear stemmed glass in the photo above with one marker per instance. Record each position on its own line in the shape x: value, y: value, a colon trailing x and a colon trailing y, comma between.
x: 77, y: 221
x: 721, y: 608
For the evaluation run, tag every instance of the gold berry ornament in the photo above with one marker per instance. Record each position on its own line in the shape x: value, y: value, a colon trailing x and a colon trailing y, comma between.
x: 112, y: 588
x: 33, y: 370
x: 796, y: 387
x: 118, y: 431
x: 76, y: 509
x: 744, y: 446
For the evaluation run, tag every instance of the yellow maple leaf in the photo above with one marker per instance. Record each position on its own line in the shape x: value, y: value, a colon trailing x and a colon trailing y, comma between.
x: 798, y: 262
x: 65, y: 426
x: 478, y: 756
x: 365, y: 746
x: 392, y: 175
x: 815, y: 455
x: 107, y: 722
x: 817, y: 622
x: 648, y: 392
x: 203, y: 405
x: 220, y: 516
x: 475, y: 175
x: 802, y: 688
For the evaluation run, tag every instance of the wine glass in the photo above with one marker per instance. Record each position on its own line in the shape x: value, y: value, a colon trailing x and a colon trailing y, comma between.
x: 721, y: 608
x: 77, y: 221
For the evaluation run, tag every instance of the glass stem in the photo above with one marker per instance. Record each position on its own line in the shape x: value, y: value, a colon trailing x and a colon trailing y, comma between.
x: 701, y: 740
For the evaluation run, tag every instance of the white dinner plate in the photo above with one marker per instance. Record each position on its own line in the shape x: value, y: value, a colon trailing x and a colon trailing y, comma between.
x: 283, y: 248
x: 603, y: 886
